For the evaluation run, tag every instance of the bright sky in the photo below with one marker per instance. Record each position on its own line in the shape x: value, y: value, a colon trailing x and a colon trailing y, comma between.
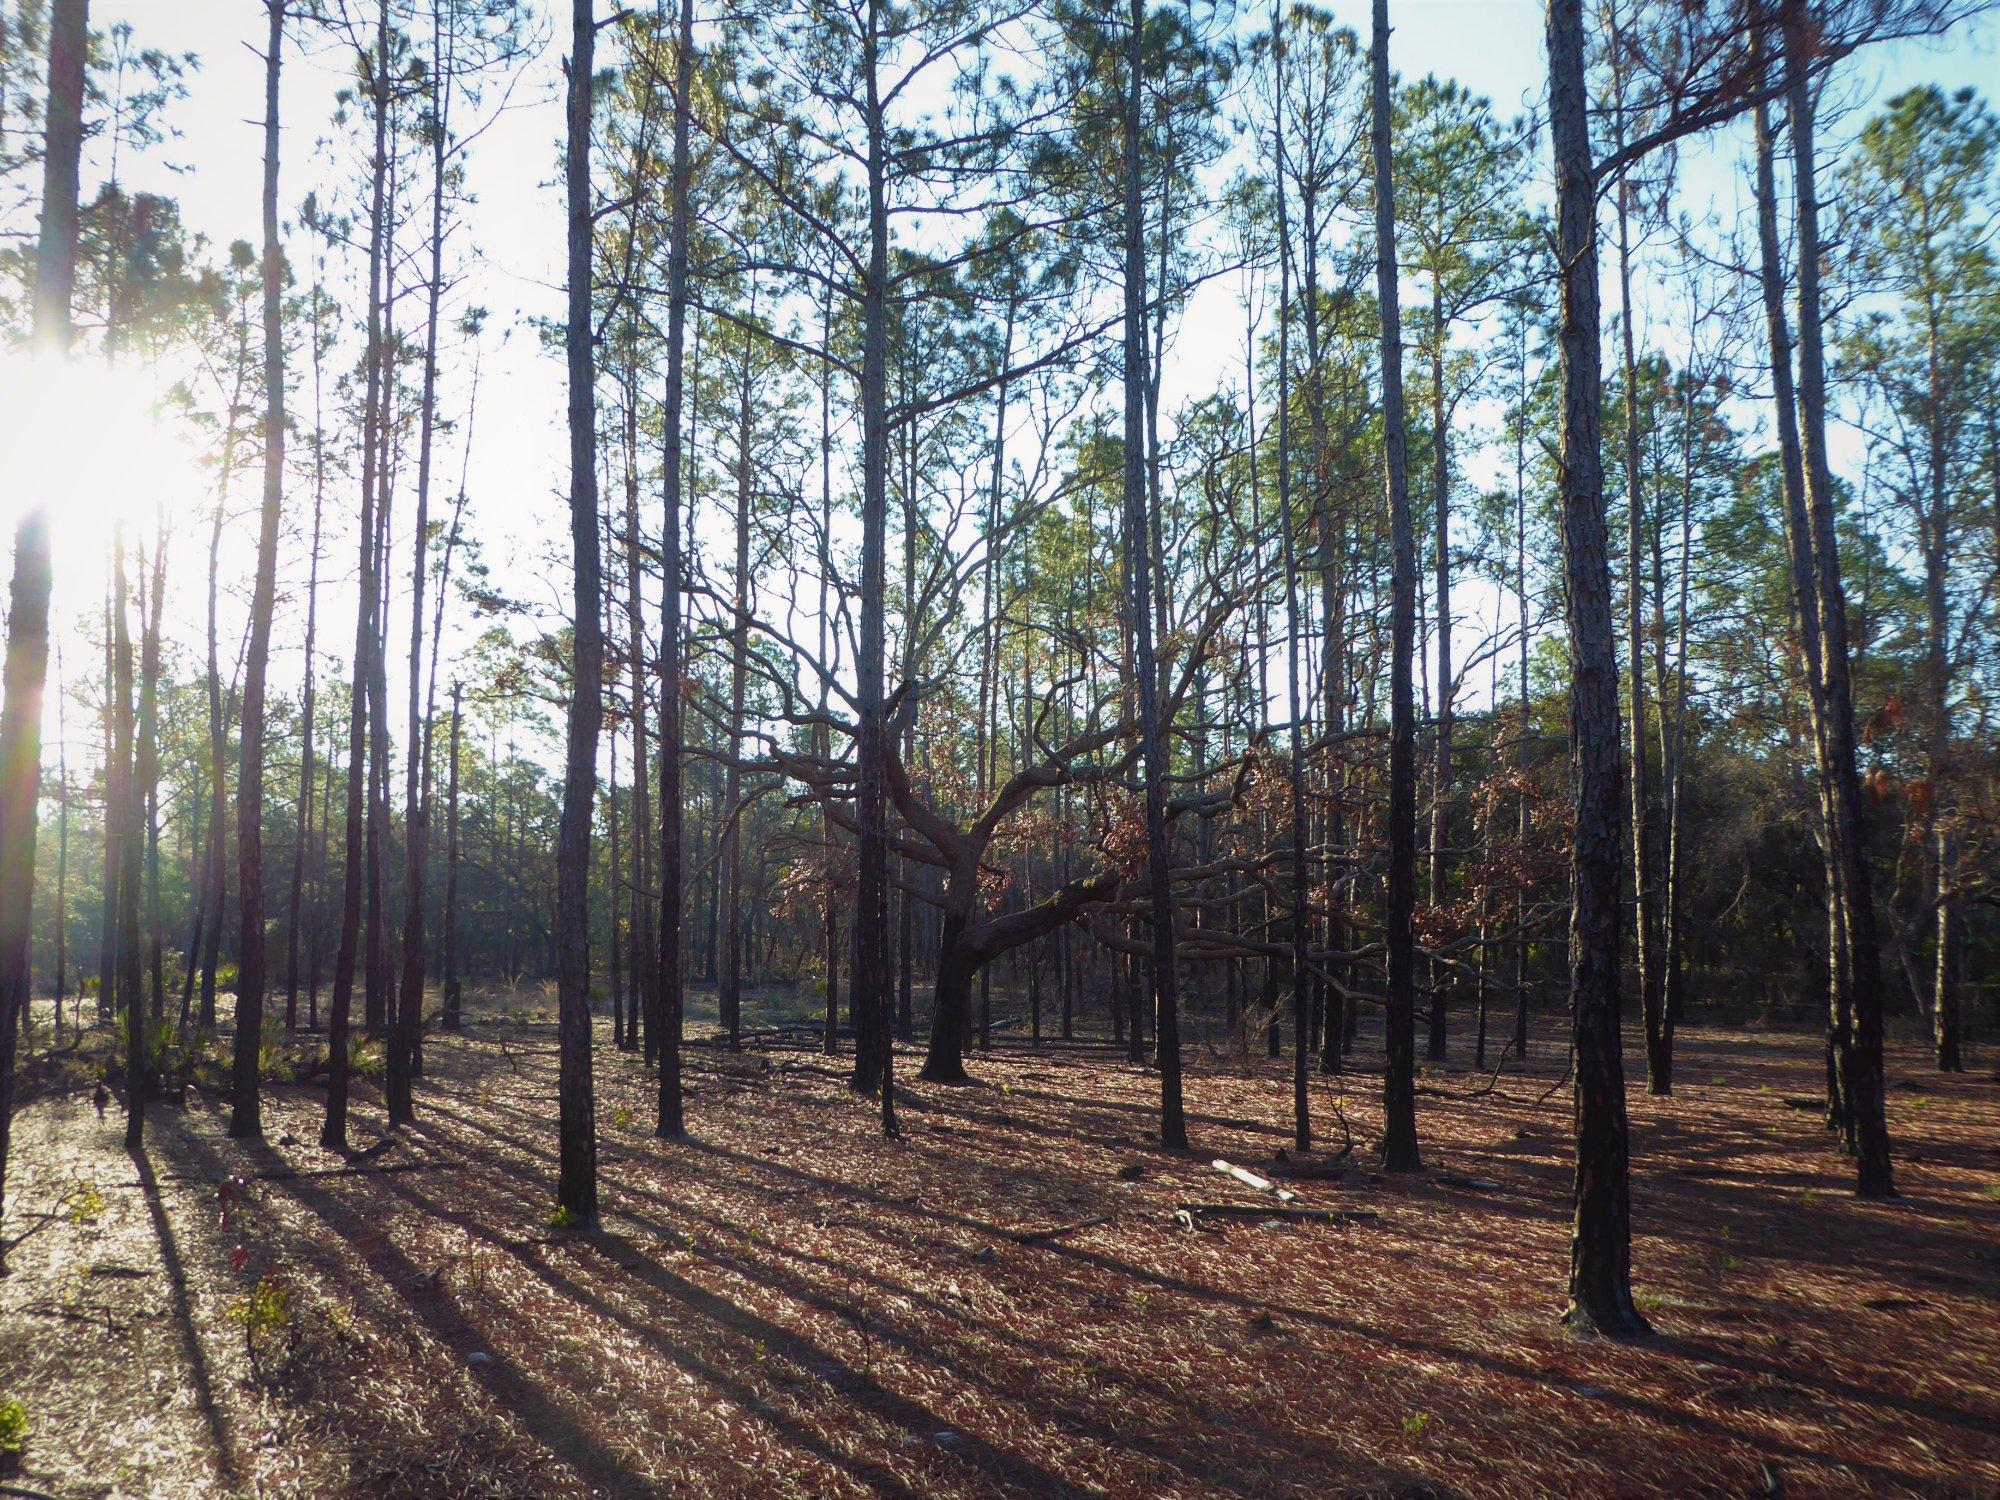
x: 517, y: 468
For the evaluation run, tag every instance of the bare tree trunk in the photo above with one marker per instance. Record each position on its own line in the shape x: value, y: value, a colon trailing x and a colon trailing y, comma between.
x: 822, y: 737
x: 453, y: 1004
x: 576, y: 1187
x: 1294, y: 666
x: 62, y: 867
x: 874, y: 1053
x: 27, y: 629
x: 27, y: 664
x: 1399, y: 1095
x: 663, y: 1031
x: 309, y: 708
x: 218, y: 751
x: 406, y: 1039
x: 1440, y: 851
x: 1946, y: 1003
x: 729, y: 991
x: 148, y: 762
x: 245, y: 1116
x: 1858, y: 1031
x: 123, y: 806
x: 1138, y: 563
x: 1601, y: 1235
x: 347, y: 954
x: 1645, y: 894
x: 1521, y: 750
x: 644, y: 965
x: 616, y: 913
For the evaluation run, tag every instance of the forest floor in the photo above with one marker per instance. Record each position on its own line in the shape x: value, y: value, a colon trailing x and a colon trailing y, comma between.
x: 788, y: 1305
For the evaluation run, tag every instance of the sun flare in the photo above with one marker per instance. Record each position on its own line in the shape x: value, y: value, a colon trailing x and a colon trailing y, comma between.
x: 99, y: 446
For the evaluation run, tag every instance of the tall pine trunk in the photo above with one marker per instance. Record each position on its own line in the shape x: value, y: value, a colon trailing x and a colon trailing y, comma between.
x: 1856, y: 1011
x: 663, y: 1030
x: 1601, y: 1233
x: 27, y: 665
x: 576, y: 1186
x: 1295, y: 777
x: 1399, y: 1093
x: 1645, y: 884
x: 453, y: 1002
x: 347, y: 952
x: 1139, y: 603
x: 246, y: 1116
x: 874, y: 1053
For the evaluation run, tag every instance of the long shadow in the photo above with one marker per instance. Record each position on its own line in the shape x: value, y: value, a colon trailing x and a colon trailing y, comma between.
x: 509, y: 1386
x: 1212, y: 1470
x: 1640, y: 1406
x: 807, y: 1358
x: 183, y: 1307
x: 1760, y: 1140
x: 1160, y: 1396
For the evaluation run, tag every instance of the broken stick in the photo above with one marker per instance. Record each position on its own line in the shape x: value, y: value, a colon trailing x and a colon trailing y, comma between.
x: 1251, y: 1180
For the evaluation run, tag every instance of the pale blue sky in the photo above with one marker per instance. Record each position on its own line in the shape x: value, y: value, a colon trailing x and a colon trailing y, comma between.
x: 1492, y: 46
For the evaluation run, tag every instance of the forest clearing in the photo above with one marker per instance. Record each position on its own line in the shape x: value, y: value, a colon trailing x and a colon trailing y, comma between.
x: 1005, y: 1302
x: 999, y: 747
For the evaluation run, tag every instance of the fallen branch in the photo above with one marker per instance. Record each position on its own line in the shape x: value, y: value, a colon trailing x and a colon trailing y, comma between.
x: 1567, y: 1070
x: 1251, y: 1180
x: 1294, y: 1215
x: 1460, y: 1180
x: 1043, y: 1236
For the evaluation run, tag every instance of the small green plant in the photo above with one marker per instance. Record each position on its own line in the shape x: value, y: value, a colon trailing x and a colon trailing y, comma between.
x: 562, y: 1216
x: 1415, y: 1425
x: 621, y: 1117
x: 83, y: 1205
x: 13, y: 1427
x: 1732, y: 1263
x: 366, y: 1059
x: 272, y: 1064
x: 270, y: 1327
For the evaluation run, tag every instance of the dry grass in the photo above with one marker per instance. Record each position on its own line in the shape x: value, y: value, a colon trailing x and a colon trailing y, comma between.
x: 786, y: 1305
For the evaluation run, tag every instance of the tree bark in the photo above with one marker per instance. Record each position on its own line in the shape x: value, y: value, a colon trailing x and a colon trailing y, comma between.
x: 1295, y: 771
x: 576, y: 1185
x: 873, y: 1053
x: 453, y: 1003
x: 340, y: 1004
x: 1857, y: 1027
x: 644, y: 970
x: 1600, y: 1241
x: 1399, y: 1095
x: 27, y: 663
x: 245, y: 1116
x: 123, y: 806
x: 1645, y: 895
x: 308, y: 709
x: 663, y: 1031
x: 729, y: 988
x: 1138, y: 561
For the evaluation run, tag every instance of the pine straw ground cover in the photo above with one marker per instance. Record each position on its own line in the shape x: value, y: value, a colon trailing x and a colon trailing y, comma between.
x: 788, y: 1306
